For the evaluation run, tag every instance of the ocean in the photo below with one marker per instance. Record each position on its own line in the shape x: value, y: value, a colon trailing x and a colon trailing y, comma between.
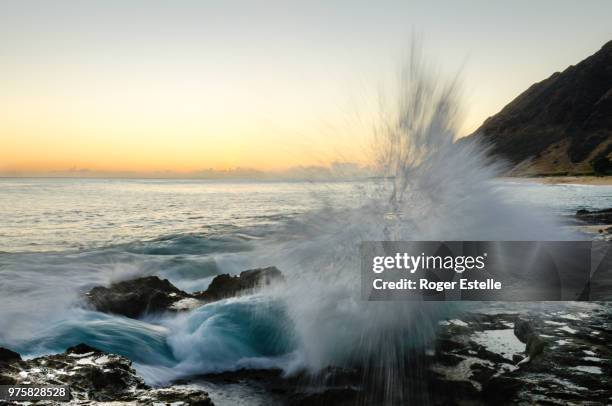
x: 60, y: 237
x: 42, y: 215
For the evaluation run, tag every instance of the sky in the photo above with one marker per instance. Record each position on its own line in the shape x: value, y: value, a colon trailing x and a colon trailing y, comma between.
x: 182, y: 86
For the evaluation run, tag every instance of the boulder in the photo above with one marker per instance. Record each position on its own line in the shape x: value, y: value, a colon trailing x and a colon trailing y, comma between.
x: 96, y: 376
x: 523, y: 329
x: 137, y: 297
x: 8, y: 356
x: 224, y: 286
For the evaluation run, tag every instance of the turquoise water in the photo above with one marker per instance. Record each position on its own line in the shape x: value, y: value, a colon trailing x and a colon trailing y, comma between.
x: 60, y: 237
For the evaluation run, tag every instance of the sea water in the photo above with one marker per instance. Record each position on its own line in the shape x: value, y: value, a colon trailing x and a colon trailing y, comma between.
x: 60, y: 237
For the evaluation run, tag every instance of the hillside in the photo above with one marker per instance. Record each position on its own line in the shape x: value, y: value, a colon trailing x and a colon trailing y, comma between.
x: 559, y: 126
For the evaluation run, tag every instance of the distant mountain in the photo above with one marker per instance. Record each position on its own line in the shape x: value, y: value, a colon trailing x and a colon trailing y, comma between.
x: 560, y: 126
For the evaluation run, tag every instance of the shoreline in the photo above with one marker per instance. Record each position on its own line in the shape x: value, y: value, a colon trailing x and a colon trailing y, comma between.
x: 564, y: 180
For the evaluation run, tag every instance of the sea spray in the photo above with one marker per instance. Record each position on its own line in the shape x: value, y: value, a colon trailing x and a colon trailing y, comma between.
x: 430, y: 187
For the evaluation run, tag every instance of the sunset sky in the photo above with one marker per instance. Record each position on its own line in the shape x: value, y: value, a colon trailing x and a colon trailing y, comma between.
x: 180, y: 86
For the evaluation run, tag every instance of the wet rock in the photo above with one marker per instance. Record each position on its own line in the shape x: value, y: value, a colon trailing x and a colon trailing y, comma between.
x: 595, y: 217
x: 7, y: 356
x: 329, y: 397
x: 95, y: 376
x: 224, y: 286
x: 137, y: 297
x: 573, y: 369
x: 499, y: 389
x: 524, y: 331
x: 332, y: 386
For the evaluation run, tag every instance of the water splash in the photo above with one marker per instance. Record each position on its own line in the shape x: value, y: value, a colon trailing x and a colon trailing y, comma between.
x: 430, y: 188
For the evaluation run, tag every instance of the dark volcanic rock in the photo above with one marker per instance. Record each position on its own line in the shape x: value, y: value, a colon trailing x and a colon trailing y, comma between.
x: 329, y: 397
x: 595, y: 217
x: 137, y: 297
x: 151, y: 294
x: 573, y: 370
x: 225, y: 285
x: 499, y: 389
x: 523, y: 330
x: 95, y: 376
x: 561, y: 125
x: 7, y: 356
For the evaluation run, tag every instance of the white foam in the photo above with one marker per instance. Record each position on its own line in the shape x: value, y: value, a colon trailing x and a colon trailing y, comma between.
x: 588, y: 369
x: 85, y: 361
x: 568, y: 329
x: 186, y: 304
x: 102, y: 360
x: 87, y: 354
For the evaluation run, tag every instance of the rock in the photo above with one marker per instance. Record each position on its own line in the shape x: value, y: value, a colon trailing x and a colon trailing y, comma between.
x: 523, y: 330
x: 329, y: 397
x: 95, y: 376
x: 571, y: 371
x: 225, y: 285
x: 595, y: 217
x: 332, y: 386
x: 534, y: 348
x: 137, y: 297
x: 8, y: 356
x: 501, y: 388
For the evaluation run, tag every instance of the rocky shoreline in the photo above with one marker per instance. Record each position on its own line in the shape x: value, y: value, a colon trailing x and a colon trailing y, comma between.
x: 474, y: 359
x: 557, y: 355
x: 94, y: 377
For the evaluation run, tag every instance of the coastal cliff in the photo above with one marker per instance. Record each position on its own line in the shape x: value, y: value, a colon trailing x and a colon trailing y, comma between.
x: 559, y: 126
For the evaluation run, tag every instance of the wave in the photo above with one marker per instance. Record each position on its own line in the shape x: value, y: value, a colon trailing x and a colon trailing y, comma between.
x: 246, y: 332
x: 138, y: 340
x: 39, y: 289
x: 189, y: 244
x: 252, y: 331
